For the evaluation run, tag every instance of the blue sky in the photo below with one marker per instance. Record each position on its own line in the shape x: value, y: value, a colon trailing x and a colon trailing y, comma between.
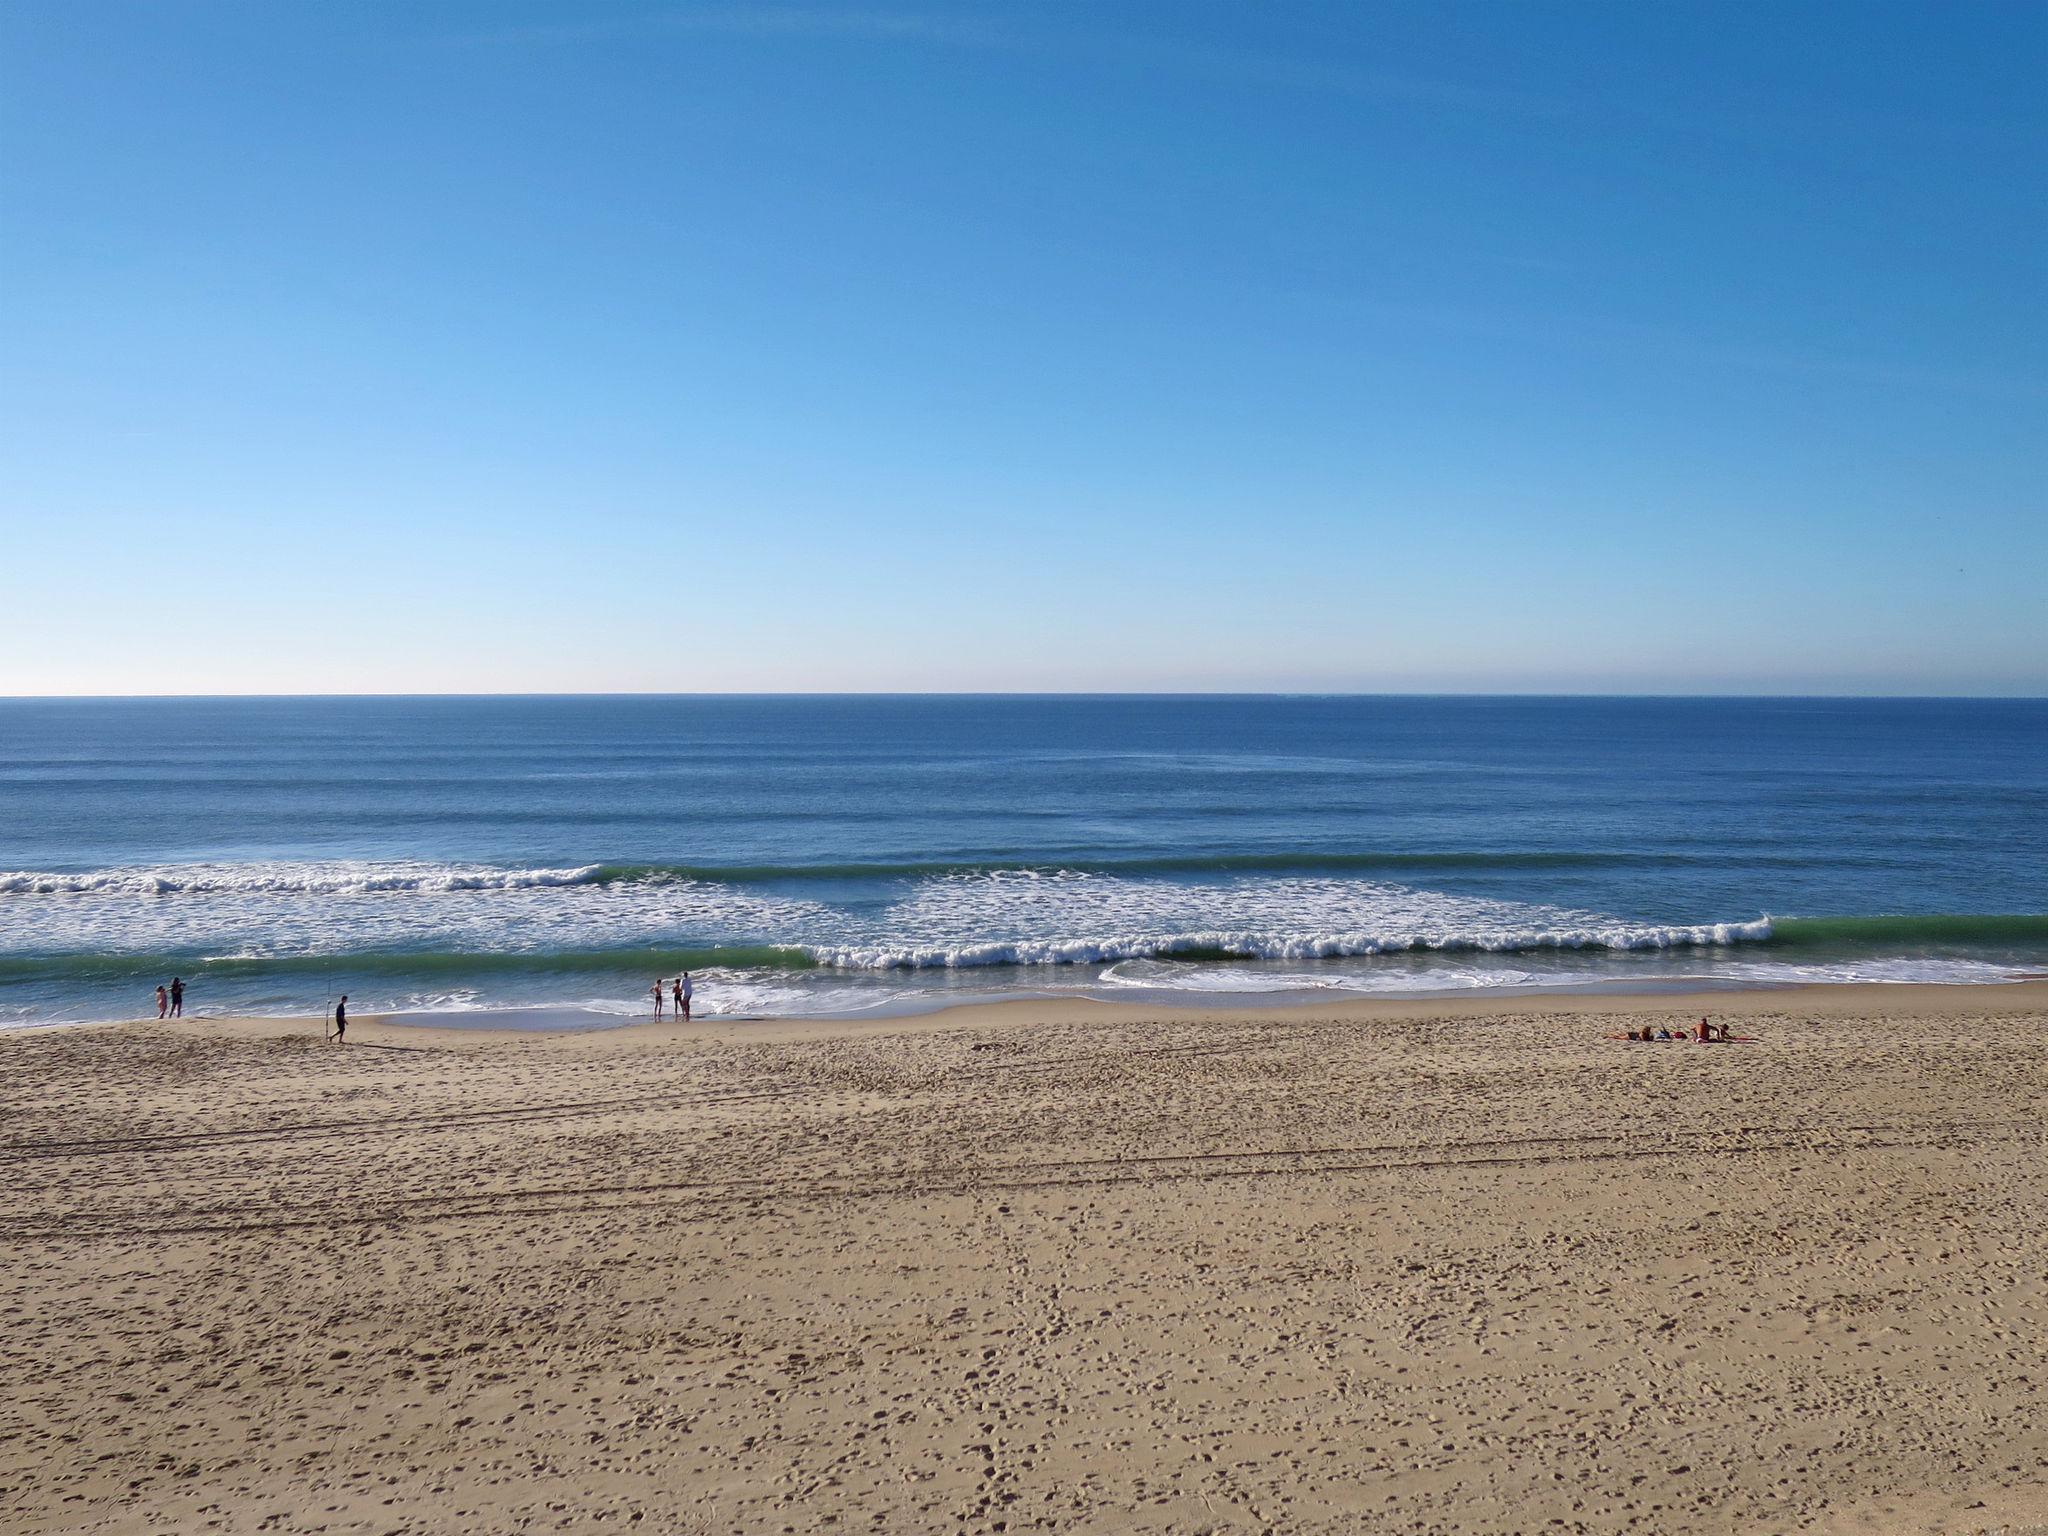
x: 425, y: 347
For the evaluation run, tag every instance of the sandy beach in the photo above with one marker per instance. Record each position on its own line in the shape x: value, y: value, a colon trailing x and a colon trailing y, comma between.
x: 1407, y: 1267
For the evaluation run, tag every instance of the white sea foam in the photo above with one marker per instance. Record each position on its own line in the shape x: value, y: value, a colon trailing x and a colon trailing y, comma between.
x: 1883, y: 969
x: 342, y: 909
x: 1070, y: 918
x: 407, y: 926
x: 289, y: 879
x: 1176, y: 976
x: 1557, y: 969
x: 1254, y: 944
x: 958, y: 921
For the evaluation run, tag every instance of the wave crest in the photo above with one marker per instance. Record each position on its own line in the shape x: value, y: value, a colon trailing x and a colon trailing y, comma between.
x: 1281, y: 946
x: 291, y: 879
x: 346, y: 877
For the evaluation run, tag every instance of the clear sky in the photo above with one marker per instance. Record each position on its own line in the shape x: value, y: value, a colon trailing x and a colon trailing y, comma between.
x: 500, y: 346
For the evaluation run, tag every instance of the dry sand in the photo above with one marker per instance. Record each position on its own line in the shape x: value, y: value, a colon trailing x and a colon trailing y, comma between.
x: 1396, y: 1267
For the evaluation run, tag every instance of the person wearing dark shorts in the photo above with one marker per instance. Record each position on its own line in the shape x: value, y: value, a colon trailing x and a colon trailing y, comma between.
x: 177, y: 998
x: 341, y: 1018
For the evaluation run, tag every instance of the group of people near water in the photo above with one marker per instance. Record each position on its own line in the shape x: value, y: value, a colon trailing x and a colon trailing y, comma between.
x: 1707, y: 1034
x: 170, y: 1002
x: 679, y: 993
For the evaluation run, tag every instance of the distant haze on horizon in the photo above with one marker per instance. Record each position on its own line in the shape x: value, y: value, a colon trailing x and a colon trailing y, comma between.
x: 507, y: 347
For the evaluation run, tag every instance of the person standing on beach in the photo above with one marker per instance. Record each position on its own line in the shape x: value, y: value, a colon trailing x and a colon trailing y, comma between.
x: 341, y: 1018
x: 684, y: 991
x: 177, y: 998
x: 163, y: 1001
x: 657, y: 997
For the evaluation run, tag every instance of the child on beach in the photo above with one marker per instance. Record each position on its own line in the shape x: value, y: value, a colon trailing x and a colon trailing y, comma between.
x: 657, y: 996
x: 163, y: 1001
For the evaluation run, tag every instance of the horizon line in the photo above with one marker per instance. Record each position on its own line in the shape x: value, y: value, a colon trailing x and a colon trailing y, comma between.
x: 1023, y: 693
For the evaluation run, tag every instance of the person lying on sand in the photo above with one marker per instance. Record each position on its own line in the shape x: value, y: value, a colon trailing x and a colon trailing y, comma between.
x: 1706, y: 1034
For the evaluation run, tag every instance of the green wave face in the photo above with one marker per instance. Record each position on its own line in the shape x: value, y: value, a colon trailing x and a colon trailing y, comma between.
x: 1960, y: 930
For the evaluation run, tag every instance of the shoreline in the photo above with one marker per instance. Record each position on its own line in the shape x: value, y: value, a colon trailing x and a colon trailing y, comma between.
x: 1817, y: 999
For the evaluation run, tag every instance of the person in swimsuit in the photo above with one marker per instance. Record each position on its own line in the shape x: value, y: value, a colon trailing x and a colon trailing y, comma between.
x: 341, y: 1018
x: 163, y: 1002
x: 657, y: 997
x: 177, y: 998
x: 676, y: 998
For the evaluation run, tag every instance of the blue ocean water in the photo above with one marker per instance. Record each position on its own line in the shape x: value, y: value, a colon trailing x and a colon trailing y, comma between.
x: 836, y: 854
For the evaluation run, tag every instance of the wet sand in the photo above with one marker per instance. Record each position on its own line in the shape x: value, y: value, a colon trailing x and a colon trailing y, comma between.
x: 1445, y: 1266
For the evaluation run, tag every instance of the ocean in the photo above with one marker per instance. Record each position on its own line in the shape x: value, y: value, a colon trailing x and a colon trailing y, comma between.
x: 460, y: 858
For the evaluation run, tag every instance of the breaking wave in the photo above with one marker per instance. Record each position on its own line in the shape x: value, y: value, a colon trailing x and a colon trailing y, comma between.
x: 884, y: 957
x: 292, y: 879
x: 270, y: 935
x: 372, y: 877
x: 1280, y: 946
